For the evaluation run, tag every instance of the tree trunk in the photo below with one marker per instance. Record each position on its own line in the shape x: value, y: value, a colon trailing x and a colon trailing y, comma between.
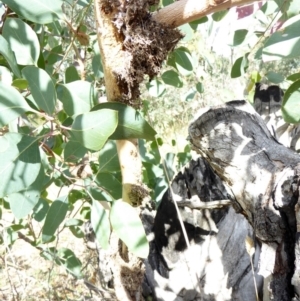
x: 241, y: 161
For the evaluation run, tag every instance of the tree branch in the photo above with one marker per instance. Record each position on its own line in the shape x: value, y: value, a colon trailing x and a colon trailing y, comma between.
x: 184, y: 11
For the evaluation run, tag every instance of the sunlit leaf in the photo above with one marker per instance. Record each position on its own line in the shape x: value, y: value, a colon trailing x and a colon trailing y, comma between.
x: 78, y: 97
x: 22, y: 40
x: 100, y: 224
x: 284, y: 43
x: 126, y: 223
x: 41, y: 87
x: 37, y: 11
x: 131, y: 124
x: 92, y: 129
x: 291, y: 103
x: 55, y: 216
x: 9, y: 55
x: 20, y: 162
x: 12, y: 104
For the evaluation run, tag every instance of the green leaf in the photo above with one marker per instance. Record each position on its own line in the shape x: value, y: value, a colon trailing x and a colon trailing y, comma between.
x: 187, y: 31
x: 172, y: 78
x: 78, y: 97
x: 40, y: 210
x: 284, y: 43
x: 20, y: 83
x: 92, y: 129
x: 22, y: 202
x: 55, y: 216
x: 22, y: 40
x: 74, y: 225
x: 240, y: 66
x: 71, y: 75
x: 131, y: 124
x: 12, y: 104
x: 9, y: 55
x: 37, y: 11
x: 71, y: 263
x: 97, y: 62
x: 41, y: 87
x: 20, y: 162
x: 194, y: 24
x: 155, y: 88
x: 189, y: 96
x: 108, y: 158
x: 294, y: 77
x: 126, y: 223
x: 218, y: 16
x: 183, y: 61
x: 74, y: 151
x: 238, y: 37
x: 109, y: 183
x: 100, y: 224
x: 199, y: 87
x: 274, y: 77
x: 291, y: 103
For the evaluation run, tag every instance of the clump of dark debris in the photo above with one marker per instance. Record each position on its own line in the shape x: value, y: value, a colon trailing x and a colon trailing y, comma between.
x: 146, y: 43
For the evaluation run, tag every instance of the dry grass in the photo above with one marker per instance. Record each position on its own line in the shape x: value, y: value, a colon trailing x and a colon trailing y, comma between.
x: 25, y: 275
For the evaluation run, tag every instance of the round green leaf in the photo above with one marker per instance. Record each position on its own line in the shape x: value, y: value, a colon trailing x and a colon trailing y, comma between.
x: 92, y: 129
x: 100, y: 224
x: 126, y: 223
x: 37, y: 11
x: 41, y: 87
x: 291, y: 103
x: 172, y: 78
x: 9, y: 55
x: 20, y: 162
x: 78, y: 97
x: 131, y: 124
x: 22, y: 40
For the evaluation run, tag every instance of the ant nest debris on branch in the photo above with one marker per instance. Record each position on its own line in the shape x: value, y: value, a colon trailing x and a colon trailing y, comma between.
x: 145, y: 43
